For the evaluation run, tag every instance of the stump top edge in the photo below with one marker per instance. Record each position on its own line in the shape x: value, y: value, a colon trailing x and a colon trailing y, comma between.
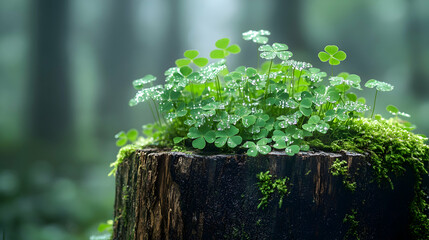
x: 273, y: 153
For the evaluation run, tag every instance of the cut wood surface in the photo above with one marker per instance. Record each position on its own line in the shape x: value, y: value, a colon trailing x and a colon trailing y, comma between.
x: 173, y: 195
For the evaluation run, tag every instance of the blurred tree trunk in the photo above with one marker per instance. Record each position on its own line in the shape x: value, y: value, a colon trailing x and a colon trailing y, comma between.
x: 287, y: 23
x: 50, y: 105
x: 117, y: 59
x: 418, y: 72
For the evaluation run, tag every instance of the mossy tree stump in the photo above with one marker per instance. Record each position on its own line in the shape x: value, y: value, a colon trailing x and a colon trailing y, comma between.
x: 172, y: 195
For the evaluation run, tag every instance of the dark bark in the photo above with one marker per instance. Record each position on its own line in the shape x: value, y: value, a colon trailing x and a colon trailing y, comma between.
x: 166, y: 195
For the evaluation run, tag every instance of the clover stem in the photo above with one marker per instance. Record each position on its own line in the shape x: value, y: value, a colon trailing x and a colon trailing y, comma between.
x: 257, y: 54
x: 153, y: 114
x: 192, y: 91
x: 157, y: 112
x: 267, y: 85
x: 332, y: 70
x: 218, y: 88
x: 299, y: 79
x: 292, y: 82
x: 375, y: 98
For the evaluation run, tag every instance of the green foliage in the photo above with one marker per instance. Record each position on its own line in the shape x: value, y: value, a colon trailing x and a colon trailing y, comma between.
x: 280, y: 105
x: 268, y: 186
x: 332, y: 54
x: 107, y: 226
x: 285, y: 104
x: 392, y: 148
x: 257, y: 36
x: 353, y: 224
x: 123, y: 153
x: 191, y: 57
x: 224, y: 49
x: 124, y: 138
x: 379, y: 86
x: 276, y: 50
x: 340, y: 168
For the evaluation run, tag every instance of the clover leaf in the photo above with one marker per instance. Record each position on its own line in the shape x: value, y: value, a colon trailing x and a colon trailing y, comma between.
x: 277, y: 49
x: 292, y: 150
x: 256, y: 36
x: 224, y: 49
x: 191, y: 57
x: 315, y: 123
x: 143, y: 95
x: 305, y: 106
x: 344, y: 81
x: 332, y: 55
x: 379, y: 86
x: 212, y: 70
x: 281, y: 138
x: 296, y: 64
x: 139, y: 83
x: 226, y: 120
x: 228, y: 136
x: 316, y: 75
x: 260, y: 147
x: 201, y: 136
x: 395, y: 111
x: 123, y: 137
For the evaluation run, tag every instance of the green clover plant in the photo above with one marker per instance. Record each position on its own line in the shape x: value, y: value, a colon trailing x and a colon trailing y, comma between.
x: 123, y: 137
x: 191, y: 57
x: 280, y: 105
x: 379, y: 86
x: 283, y: 105
x: 332, y: 55
x: 224, y: 49
x: 257, y: 36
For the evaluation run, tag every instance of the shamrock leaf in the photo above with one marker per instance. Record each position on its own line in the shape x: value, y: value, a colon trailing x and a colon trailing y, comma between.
x: 224, y: 49
x: 201, y: 136
x: 395, y: 111
x: 316, y: 75
x: 123, y: 137
x: 380, y: 86
x: 289, y: 120
x: 344, y: 81
x: 139, y: 83
x: 315, y: 123
x: 191, y: 56
x: 228, y: 136
x: 282, y: 139
x: 332, y: 55
x: 260, y: 147
x: 256, y: 36
x: 305, y: 106
x: 292, y: 150
x: 143, y: 95
x: 225, y: 120
x: 212, y: 70
x: 277, y: 49
x: 296, y: 64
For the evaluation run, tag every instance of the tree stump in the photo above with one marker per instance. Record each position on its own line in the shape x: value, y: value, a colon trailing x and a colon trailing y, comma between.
x: 173, y: 195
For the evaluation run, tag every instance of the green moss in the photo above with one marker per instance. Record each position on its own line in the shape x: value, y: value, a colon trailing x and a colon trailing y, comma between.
x: 123, y: 153
x: 393, y: 150
x: 353, y: 224
x: 268, y: 186
x: 340, y: 168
